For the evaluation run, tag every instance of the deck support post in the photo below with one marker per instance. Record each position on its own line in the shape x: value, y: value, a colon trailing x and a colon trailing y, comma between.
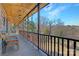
x: 38, y: 22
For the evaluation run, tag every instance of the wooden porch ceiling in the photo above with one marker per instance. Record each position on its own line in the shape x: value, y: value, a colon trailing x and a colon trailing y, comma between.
x: 15, y: 12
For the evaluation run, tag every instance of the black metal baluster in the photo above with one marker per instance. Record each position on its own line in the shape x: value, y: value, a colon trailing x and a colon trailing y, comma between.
x: 58, y: 46
x: 62, y: 47
x: 67, y: 47
x: 54, y: 45
x: 44, y: 43
x: 74, y: 54
x: 48, y: 44
x: 51, y: 45
x: 39, y: 41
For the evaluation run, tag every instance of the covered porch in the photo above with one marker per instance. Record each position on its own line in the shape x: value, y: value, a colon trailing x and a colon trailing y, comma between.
x: 36, y: 38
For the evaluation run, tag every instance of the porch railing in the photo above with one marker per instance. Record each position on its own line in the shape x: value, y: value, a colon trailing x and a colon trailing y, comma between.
x: 54, y: 45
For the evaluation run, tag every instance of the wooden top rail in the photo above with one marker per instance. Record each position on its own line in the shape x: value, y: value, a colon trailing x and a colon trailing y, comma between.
x: 56, y: 36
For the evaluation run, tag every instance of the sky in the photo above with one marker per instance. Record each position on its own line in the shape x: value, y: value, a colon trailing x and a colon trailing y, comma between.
x: 67, y: 12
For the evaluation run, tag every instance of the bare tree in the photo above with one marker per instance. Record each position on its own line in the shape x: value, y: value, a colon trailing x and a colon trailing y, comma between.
x: 59, y: 24
x: 51, y: 23
x: 43, y: 24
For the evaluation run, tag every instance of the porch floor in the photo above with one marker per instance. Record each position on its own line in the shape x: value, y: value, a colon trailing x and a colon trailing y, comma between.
x: 25, y: 49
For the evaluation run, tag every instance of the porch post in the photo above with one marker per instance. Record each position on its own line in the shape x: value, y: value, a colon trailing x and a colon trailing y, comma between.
x: 38, y: 23
x: 6, y: 25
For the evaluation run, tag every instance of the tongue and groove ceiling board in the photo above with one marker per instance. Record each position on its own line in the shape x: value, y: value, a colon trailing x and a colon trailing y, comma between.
x: 15, y: 12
